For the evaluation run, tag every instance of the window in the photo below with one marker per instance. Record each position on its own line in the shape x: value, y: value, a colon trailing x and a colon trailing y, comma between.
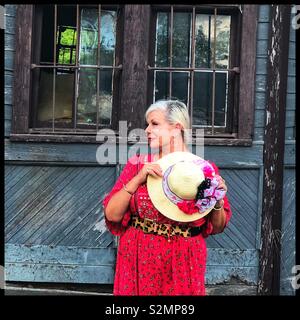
x: 195, y: 57
x: 73, y: 69
x: 194, y: 62
x: 68, y: 68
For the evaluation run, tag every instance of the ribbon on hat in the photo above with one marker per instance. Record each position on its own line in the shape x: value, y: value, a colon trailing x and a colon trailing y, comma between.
x: 207, y: 194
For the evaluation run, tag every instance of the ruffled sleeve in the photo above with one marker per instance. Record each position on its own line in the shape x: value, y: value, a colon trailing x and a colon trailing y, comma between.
x: 208, y: 227
x: 129, y: 171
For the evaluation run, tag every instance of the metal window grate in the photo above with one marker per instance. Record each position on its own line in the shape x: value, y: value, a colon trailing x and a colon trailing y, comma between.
x: 76, y: 68
x: 192, y: 68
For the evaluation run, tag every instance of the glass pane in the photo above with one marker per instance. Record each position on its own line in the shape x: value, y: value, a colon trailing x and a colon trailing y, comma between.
x: 223, y: 41
x: 64, y: 85
x: 161, y: 49
x: 161, y: 85
x: 66, y: 34
x: 181, y: 39
x: 203, y: 49
x: 105, y: 99
x: 202, y: 100
x: 204, y: 45
x: 47, y: 33
x: 221, y: 98
x: 180, y: 86
x: 88, y: 36
x: 108, y: 37
x: 86, y: 103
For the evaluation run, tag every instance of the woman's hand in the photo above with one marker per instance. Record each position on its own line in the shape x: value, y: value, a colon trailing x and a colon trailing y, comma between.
x: 153, y: 169
x: 223, y: 186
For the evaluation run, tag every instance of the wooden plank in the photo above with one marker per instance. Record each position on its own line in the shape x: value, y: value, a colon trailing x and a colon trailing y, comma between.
x: 22, y: 61
x: 9, y: 60
x: 9, y: 41
x: 135, y: 63
x: 8, y: 79
x: 262, y: 50
x: 37, y: 272
x: 61, y: 195
x: 264, y: 11
x: 30, y: 209
x: 10, y: 10
x: 269, y: 271
x: 288, y: 231
x: 8, y: 93
x: 221, y: 274
x: 261, y: 65
x: 78, y: 214
x: 69, y: 255
x: 247, y: 72
x: 262, y: 30
x: 232, y: 257
x: 78, y: 154
x: 10, y: 24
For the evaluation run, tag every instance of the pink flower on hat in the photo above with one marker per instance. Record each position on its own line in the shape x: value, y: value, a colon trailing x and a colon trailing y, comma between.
x: 188, y: 207
x: 208, y: 171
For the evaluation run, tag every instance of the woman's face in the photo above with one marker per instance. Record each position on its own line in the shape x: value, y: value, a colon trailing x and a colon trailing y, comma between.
x: 159, y: 132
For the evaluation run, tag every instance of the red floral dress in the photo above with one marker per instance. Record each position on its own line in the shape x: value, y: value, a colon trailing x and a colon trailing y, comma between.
x: 148, y: 264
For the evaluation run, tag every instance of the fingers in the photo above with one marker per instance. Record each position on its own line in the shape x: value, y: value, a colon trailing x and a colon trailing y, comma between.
x: 154, y: 170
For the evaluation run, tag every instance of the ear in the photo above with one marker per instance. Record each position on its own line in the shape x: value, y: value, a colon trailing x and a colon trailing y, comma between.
x: 178, y: 126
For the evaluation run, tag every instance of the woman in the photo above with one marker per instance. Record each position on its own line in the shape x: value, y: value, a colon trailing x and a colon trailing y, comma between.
x: 149, y: 264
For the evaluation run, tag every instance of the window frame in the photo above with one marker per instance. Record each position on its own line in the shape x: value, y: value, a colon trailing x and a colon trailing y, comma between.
x: 244, y: 55
x: 25, y: 56
x: 22, y: 78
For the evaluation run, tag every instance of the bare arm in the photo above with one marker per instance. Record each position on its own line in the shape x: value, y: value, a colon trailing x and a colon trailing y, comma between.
x: 119, y: 202
x: 218, y: 218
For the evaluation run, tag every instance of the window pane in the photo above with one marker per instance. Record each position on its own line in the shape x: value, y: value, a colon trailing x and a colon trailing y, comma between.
x: 108, y: 37
x: 64, y: 85
x: 180, y: 86
x: 86, y: 103
x: 202, y: 100
x: 181, y: 39
x: 204, y: 45
x: 105, y: 99
x: 88, y: 36
x: 221, y: 98
x: 47, y: 34
x: 161, y: 85
x: 223, y: 41
x: 161, y: 49
x: 66, y: 34
x: 202, y: 41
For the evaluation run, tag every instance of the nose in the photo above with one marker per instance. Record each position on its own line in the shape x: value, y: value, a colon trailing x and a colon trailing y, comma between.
x: 147, y: 130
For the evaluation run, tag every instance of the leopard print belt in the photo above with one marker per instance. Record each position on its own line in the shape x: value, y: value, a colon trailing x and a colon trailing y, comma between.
x: 162, y: 229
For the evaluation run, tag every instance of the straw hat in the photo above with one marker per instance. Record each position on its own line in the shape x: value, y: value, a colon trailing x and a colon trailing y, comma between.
x: 188, y: 189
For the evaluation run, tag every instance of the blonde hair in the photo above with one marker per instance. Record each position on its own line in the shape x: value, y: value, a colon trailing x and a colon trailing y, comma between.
x: 175, y: 112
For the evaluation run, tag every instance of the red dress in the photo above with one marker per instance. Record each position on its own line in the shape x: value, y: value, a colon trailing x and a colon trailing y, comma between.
x: 148, y: 264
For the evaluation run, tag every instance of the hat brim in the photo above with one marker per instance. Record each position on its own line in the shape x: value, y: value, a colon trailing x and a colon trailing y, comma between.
x: 158, y: 197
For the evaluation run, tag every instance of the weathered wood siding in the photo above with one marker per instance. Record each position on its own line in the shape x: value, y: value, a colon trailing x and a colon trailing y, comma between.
x: 233, y: 253
x: 288, y: 244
